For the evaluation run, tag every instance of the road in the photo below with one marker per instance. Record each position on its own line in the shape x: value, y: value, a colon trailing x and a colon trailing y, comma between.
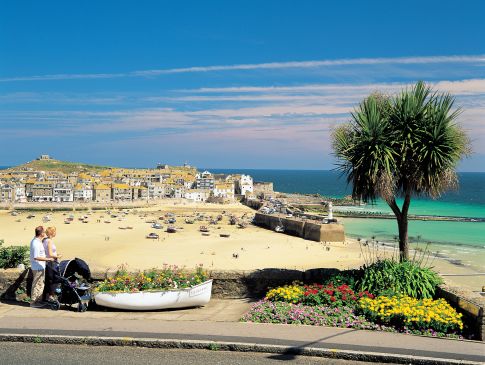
x: 14, y: 353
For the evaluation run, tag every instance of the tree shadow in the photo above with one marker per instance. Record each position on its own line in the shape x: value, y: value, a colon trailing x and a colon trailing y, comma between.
x: 10, y: 294
x: 292, y: 352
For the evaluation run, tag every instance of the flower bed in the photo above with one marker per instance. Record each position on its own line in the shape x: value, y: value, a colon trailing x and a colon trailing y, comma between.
x: 412, y: 314
x: 340, y: 306
x: 167, y: 278
x: 266, y: 311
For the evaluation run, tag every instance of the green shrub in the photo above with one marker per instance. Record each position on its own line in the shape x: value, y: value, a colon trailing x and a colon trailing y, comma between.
x: 13, y: 256
x: 385, y: 277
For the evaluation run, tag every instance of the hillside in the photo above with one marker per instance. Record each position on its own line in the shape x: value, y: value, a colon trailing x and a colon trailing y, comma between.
x: 56, y: 165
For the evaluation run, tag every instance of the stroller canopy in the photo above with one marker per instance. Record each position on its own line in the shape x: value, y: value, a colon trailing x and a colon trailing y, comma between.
x: 76, y: 266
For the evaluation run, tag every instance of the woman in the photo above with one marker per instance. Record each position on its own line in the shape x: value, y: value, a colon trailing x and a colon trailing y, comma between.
x: 52, y: 266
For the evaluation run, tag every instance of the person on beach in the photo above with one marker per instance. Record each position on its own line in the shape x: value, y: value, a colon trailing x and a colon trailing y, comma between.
x: 52, y: 267
x: 38, y: 260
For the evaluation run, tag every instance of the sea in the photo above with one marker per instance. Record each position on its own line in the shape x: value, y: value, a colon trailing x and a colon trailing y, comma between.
x: 462, y: 243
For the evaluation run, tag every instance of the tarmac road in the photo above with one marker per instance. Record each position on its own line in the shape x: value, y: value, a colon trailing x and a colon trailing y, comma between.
x: 15, y: 353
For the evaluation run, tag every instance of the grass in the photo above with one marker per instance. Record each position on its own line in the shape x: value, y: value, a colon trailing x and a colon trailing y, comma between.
x: 61, y: 166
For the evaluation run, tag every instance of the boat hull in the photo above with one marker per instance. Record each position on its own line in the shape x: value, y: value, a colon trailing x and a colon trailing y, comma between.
x: 195, y: 296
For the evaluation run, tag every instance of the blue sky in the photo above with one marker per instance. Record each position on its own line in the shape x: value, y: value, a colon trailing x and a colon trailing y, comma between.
x: 243, y: 84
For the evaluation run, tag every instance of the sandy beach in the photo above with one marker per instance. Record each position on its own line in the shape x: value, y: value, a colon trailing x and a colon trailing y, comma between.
x: 105, y: 245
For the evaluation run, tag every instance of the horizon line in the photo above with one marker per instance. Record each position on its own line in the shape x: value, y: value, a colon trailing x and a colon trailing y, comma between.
x: 228, y: 168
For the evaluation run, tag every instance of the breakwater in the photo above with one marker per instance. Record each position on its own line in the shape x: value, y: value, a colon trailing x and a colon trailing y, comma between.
x: 415, y: 217
x: 313, y: 231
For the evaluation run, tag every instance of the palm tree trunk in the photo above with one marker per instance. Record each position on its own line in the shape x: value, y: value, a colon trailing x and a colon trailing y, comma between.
x: 402, y: 223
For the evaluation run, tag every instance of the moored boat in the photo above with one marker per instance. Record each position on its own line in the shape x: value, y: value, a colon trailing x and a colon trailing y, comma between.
x: 171, y: 229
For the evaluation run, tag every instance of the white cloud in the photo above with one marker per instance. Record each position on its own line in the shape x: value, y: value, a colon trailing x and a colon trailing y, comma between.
x: 464, y: 59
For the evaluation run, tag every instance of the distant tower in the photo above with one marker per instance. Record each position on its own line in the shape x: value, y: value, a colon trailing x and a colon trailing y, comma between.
x: 330, y: 210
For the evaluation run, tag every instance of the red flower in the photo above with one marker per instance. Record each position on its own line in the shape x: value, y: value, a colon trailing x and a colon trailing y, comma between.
x: 332, y: 299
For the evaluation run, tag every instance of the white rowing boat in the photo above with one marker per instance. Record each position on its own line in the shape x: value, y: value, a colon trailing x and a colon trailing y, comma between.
x: 195, y: 296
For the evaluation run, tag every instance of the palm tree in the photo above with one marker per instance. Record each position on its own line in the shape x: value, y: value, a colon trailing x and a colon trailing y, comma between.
x: 401, y: 146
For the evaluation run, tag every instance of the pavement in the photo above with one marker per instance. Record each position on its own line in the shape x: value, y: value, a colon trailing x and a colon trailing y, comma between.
x: 216, y: 326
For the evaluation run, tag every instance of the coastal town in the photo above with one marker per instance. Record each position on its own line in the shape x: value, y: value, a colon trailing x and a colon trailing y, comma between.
x: 32, y: 182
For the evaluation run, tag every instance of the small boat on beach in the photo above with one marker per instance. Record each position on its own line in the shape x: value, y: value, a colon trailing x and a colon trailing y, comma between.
x: 225, y: 235
x: 195, y: 296
x: 189, y: 221
x: 279, y: 229
x: 157, y: 226
x: 171, y: 229
x: 203, y: 229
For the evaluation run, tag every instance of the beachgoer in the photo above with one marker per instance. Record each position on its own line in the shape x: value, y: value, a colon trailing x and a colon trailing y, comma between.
x: 37, y: 265
x: 52, y: 266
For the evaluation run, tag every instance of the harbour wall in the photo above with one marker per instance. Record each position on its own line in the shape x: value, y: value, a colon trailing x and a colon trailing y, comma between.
x: 313, y: 231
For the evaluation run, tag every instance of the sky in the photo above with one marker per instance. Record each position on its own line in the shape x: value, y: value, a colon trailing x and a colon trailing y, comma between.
x: 223, y: 84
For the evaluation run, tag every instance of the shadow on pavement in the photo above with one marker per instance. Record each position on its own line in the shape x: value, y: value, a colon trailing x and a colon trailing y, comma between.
x: 293, y: 352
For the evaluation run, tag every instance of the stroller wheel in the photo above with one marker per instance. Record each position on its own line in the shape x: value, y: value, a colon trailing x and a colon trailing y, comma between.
x: 82, y: 307
x: 55, y: 305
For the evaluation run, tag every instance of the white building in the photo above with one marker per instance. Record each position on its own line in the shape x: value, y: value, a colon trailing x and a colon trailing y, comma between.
x: 63, y: 192
x: 197, y: 195
x: 20, y: 196
x: 244, y: 185
x: 204, y: 180
x: 7, y: 193
x: 223, y: 190
x: 155, y: 190
x: 178, y: 192
x: 83, y: 192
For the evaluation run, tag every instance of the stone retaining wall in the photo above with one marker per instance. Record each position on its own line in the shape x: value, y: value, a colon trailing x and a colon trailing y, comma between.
x: 15, y: 285
x: 312, y: 231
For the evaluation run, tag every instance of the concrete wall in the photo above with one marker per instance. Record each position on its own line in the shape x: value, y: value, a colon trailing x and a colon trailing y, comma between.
x: 308, y: 230
x: 253, y: 203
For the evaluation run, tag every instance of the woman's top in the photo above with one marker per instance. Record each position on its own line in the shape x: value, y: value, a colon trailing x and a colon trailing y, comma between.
x: 53, y: 248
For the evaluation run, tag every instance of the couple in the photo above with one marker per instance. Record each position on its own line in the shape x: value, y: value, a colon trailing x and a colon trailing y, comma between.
x: 42, y: 251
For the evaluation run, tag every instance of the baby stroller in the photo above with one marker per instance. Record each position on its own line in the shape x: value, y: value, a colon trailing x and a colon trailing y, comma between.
x: 71, y: 289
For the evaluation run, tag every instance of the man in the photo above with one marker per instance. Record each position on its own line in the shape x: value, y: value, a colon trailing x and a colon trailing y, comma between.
x: 37, y: 265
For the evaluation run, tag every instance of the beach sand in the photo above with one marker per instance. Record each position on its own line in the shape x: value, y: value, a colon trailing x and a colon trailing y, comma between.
x: 105, y: 246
